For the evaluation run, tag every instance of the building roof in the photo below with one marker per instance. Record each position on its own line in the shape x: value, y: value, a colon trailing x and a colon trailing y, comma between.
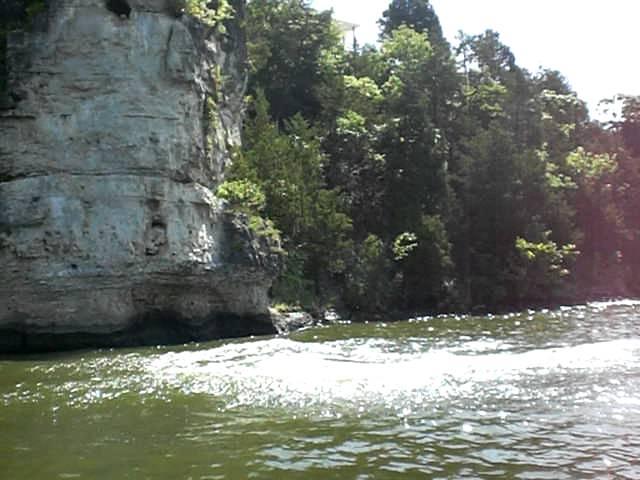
x: 346, y: 26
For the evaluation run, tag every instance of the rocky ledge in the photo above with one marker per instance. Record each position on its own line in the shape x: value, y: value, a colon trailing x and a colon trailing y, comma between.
x: 115, y: 131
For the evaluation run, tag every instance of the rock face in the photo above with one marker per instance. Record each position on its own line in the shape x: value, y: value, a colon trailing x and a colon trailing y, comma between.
x: 117, y: 130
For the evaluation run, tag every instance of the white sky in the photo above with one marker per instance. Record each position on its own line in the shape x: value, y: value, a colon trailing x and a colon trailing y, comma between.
x: 593, y: 43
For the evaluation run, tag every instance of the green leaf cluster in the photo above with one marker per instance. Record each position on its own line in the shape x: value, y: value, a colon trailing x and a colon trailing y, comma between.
x: 211, y: 13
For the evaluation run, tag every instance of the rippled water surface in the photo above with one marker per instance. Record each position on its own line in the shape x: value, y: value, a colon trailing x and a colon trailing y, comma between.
x: 544, y: 395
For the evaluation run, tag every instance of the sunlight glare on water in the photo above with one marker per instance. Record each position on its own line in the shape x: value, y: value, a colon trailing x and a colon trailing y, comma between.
x: 339, y: 374
x: 551, y: 394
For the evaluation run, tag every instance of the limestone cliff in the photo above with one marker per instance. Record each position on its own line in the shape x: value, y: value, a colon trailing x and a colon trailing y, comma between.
x: 116, y: 130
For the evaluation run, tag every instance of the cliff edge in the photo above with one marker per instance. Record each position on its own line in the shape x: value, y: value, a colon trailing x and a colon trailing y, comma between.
x: 116, y: 129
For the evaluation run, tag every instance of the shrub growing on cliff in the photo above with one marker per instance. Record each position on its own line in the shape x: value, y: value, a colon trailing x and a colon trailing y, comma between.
x: 247, y: 198
x: 211, y: 13
x: 243, y: 195
x: 279, y: 176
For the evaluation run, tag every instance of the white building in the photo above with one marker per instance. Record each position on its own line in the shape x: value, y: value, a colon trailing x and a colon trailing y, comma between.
x: 348, y: 32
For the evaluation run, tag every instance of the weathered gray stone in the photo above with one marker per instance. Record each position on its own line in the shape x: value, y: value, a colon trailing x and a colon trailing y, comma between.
x: 287, y: 322
x: 117, y: 136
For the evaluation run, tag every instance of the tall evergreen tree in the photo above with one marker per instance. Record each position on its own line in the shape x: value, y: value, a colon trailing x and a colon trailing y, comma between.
x: 418, y: 15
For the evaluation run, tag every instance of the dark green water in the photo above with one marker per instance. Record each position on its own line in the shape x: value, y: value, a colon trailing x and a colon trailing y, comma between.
x: 549, y: 395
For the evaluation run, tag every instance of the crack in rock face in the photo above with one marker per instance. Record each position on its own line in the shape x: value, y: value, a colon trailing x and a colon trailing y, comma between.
x: 109, y: 224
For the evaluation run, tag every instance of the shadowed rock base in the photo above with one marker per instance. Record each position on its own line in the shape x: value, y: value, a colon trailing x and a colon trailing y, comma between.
x: 160, y: 328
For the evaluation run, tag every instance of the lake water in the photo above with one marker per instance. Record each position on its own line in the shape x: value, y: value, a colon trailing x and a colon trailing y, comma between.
x: 538, y: 395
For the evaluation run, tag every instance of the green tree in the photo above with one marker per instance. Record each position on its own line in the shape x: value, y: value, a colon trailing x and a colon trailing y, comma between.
x: 282, y: 169
x: 424, y: 264
x: 355, y: 166
x: 418, y: 15
x: 630, y: 127
x: 541, y: 268
x: 413, y: 146
x: 296, y: 55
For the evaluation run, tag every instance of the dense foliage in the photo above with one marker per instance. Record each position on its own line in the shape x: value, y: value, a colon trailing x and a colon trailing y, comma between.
x: 419, y: 176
